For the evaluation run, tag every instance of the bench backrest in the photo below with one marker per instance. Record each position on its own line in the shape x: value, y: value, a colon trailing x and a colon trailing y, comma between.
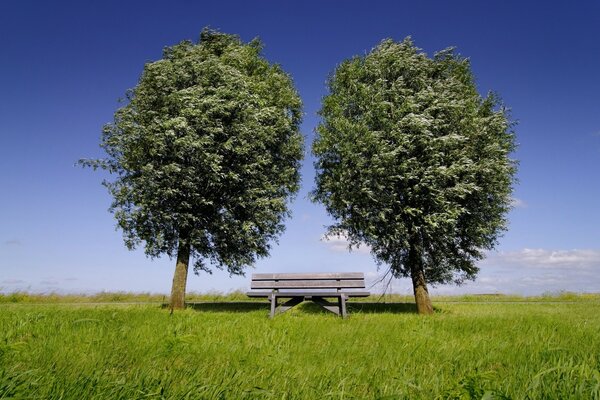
x: 342, y: 280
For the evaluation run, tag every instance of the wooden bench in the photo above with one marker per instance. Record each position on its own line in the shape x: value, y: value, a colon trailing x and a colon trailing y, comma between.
x: 314, y: 287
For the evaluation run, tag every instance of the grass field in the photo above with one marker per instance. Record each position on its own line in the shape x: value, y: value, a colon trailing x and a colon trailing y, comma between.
x: 226, y: 348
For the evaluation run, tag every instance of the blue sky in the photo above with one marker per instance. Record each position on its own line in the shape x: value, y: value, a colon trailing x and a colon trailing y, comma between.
x: 64, y: 65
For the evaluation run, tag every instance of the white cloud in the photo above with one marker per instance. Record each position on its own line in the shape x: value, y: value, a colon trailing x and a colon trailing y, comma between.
x: 547, y: 258
x: 543, y: 280
x: 518, y: 203
x: 537, y: 271
x: 340, y: 243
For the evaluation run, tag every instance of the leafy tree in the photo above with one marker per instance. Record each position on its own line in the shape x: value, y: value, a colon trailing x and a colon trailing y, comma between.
x: 413, y: 162
x: 205, y: 154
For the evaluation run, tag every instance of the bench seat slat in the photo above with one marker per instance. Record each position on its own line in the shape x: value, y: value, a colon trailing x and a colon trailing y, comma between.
x: 292, y: 294
x: 321, y: 284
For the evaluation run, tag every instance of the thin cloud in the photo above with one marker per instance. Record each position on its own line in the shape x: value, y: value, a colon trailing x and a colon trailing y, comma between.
x: 535, y: 271
x: 13, y: 242
x: 524, y: 272
x: 12, y: 281
x: 547, y: 258
x: 518, y: 203
x: 542, y: 281
x: 340, y: 243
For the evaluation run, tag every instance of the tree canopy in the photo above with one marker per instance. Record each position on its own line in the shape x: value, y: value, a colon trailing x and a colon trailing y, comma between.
x: 413, y: 162
x: 205, y: 154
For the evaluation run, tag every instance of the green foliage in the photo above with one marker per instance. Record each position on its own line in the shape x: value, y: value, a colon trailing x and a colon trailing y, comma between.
x: 206, y: 150
x: 411, y: 159
x: 485, y: 350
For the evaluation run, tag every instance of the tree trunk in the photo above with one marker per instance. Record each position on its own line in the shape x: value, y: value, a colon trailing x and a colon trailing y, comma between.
x: 422, y: 299
x: 180, y: 277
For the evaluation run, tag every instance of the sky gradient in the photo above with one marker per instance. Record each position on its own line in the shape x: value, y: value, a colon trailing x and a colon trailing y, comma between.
x: 65, y: 64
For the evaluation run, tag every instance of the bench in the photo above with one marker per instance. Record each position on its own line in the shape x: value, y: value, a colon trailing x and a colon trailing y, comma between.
x: 314, y: 287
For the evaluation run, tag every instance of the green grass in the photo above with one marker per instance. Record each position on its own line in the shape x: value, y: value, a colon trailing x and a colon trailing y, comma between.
x: 226, y: 348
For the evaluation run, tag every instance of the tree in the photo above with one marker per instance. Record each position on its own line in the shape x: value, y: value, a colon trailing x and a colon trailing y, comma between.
x: 206, y: 154
x: 413, y: 162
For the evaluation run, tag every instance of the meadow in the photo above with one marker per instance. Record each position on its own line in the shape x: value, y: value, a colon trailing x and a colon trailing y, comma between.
x: 123, y: 346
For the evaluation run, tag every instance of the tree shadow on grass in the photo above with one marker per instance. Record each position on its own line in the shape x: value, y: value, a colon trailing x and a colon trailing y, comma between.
x: 307, y: 307
x: 229, y: 306
x: 379, y: 308
x: 366, y: 308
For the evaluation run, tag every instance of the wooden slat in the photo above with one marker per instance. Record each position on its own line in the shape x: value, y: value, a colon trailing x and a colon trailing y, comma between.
x: 290, y: 294
x: 309, y: 276
x: 330, y: 294
x: 314, y: 284
x: 259, y: 294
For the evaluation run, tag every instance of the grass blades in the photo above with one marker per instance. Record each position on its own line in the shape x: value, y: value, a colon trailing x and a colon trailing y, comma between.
x: 231, y: 350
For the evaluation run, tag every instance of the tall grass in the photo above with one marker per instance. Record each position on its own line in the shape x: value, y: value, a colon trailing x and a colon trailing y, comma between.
x: 193, y: 297
x: 231, y: 350
x: 114, y: 297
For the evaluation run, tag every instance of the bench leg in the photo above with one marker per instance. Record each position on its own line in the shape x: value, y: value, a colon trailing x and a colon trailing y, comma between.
x: 273, y: 305
x: 342, y: 305
x: 279, y: 309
